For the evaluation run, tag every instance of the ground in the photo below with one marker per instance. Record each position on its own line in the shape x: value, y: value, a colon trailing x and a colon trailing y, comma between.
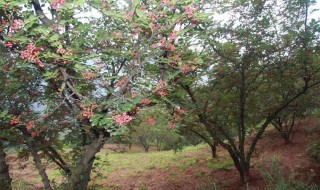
x: 192, y: 168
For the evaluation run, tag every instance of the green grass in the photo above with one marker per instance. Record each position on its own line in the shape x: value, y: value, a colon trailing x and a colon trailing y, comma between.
x: 54, y: 174
x: 136, y: 163
x: 226, y: 164
x: 20, y: 185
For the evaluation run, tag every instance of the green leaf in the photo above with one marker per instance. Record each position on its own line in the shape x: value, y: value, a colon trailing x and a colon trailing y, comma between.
x: 137, y: 99
x: 106, y: 121
x: 79, y: 2
x: 63, y: 85
x: 49, y: 74
x: 95, y: 119
x: 4, y: 113
x: 54, y: 37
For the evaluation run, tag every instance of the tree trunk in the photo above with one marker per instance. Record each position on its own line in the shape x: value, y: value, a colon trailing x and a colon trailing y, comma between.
x: 80, y: 174
x: 5, y: 179
x: 146, y: 148
x: 130, y: 146
x: 39, y: 166
x: 213, y: 150
x: 242, y: 167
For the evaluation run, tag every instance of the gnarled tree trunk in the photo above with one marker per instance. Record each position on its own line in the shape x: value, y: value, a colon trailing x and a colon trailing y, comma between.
x: 5, y: 179
x: 80, y: 174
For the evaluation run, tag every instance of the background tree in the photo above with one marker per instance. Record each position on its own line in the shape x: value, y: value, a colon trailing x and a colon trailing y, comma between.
x: 263, y: 59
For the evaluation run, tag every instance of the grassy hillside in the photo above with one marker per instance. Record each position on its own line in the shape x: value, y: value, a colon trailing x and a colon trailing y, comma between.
x: 275, y: 166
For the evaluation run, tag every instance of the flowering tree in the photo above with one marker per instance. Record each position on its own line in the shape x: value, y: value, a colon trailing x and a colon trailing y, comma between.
x: 91, y: 70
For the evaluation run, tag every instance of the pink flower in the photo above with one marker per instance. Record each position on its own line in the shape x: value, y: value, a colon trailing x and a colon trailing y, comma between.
x: 121, y: 82
x: 190, y: 11
x: 185, y: 68
x: 30, y: 126
x: 57, y: 3
x: 61, y: 50
x: 33, y: 134
x: 104, y: 3
x: 88, y: 110
x: 8, y: 44
x: 162, y: 88
x: 151, y: 121
x: 153, y: 17
x: 32, y: 53
x: 145, y: 101
x: 173, y: 36
x: 15, y: 120
x: 17, y: 24
x: 171, y: 125
x: 164, y: 2
x: 88, y: 75
x: 120, y: 119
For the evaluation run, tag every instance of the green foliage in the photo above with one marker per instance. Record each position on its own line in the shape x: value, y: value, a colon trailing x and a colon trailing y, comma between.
x: 275, y: 179
x: 314, y: 150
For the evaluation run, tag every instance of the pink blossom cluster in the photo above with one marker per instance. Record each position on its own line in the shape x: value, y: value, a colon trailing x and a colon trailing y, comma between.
x: 17, y: 24
x: 33, y: 134
x: 32, y: 53
x: 88, y: 110
x: 121, y: 82
x: 154, y: 17
x: 168, y: 45
x: 104, y: 3
x: 130, y: 15
x: 173, y: 36
x: 64, y: 51
x: 177, y: 114
x: 9, y: 44
x: 185, y: 68
x: 57, y: 3
x: 145, y: 101
x: 30, y: 126
x: 190, y: 11
x: 15, y: 120
x: 88, y: 75
x: 162, y: 88
x: 61, y: 51
x: 164, y: 2
x: 3, y: 22
x: 151, y: 121
x: 122, y: 118
x: 171, y: 125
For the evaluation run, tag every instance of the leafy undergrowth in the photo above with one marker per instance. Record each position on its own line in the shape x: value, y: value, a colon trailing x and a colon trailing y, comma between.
x: 193, y: 167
